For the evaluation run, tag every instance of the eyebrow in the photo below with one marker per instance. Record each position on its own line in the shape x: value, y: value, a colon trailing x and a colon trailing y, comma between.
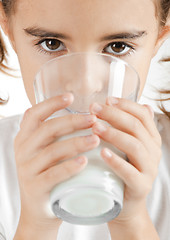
x: 125, y: 35
x: 39, y: 32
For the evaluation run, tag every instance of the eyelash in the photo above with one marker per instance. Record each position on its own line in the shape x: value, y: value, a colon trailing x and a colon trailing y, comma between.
x: 131, y: 50
x: 41, y: 50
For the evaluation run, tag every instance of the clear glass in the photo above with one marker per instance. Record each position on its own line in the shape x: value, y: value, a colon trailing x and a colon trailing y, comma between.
x: 95, y: 195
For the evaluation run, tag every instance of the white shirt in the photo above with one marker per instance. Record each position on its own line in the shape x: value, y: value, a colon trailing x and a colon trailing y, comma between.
x: 158, y: 199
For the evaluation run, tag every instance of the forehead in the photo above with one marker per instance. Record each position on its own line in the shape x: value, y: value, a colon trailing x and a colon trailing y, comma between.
x: 94, y: 15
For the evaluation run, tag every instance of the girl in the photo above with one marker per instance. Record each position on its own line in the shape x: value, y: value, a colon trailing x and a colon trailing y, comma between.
x: 40, y: 30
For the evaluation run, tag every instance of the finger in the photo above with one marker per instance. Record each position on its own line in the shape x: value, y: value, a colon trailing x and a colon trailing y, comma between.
x: 54, y: 128
x: 128, y: 173
x: 132, y: 147
x: 59, y: 173
x: 34, y: 116
x: 60, y: 151
x: 150, y: 109
x: 142, y: 112
x: 123, y: 121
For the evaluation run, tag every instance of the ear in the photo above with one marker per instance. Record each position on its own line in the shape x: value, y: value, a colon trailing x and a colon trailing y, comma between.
x: 163, y: 35
x: 4, y: 23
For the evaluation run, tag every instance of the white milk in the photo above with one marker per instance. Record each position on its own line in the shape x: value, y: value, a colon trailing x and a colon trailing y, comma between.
x: 90, y: 194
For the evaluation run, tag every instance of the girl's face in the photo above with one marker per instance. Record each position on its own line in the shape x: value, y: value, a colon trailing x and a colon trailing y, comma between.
x: 41, y: 30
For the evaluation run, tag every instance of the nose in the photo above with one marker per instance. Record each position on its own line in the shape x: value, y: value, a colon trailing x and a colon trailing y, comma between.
x: 87, y: 75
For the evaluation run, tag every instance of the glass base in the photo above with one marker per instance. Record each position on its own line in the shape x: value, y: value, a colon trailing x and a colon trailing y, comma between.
x: 87, y: 207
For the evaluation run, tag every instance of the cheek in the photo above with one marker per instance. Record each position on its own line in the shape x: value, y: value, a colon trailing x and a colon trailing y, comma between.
x: 29, y: 69
x: 141, y: 63
x: 143, y: 69
x: 30, y: 62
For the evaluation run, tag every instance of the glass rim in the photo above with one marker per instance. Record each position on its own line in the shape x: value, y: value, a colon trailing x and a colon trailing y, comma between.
x: 116, y: 59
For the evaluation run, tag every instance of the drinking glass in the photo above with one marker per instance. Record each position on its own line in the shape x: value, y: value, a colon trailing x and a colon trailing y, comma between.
x: 95, y: 195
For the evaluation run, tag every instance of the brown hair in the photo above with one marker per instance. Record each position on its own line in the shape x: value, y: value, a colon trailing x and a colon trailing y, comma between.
x: 163, y: 11
x: 3, y: 55
x: 8, y: 6
x: 164, y: 93
x: 165, y: 8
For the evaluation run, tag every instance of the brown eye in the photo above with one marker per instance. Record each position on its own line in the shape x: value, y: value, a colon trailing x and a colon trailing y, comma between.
x: 118, y: 47
x: 52, y: 45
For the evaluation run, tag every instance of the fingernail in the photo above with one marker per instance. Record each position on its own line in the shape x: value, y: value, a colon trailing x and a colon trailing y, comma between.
x: 80, y: 160
x: 150, y: 110
x: 113, y: 100
x: 90, y: 139
x: 25, y: 114
x: 90, y: 118
x: 100, y: 127
x: 67, y: 97
x: 96, y: 108
x: 107, y: 153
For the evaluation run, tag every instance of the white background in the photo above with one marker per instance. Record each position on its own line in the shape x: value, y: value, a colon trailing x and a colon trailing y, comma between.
x: 158, y: 77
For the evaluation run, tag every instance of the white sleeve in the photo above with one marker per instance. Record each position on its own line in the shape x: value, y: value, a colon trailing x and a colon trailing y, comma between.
x: 9, y: 187
x: 2, y: 234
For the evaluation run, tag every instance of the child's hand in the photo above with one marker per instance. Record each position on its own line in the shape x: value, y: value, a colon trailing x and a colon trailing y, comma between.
x: 133, y: 132
x: 39, y: 161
